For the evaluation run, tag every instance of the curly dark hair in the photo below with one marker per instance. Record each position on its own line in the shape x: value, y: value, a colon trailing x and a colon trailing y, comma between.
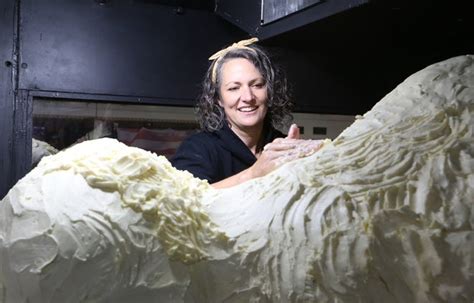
x: 211, y: 115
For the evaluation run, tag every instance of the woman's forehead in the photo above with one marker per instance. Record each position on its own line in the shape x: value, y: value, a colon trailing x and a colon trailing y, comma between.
x: 239, y: 68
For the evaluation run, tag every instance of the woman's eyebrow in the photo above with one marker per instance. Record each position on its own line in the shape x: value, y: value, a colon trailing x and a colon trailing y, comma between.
x: 258, y: 79
x: 232, y: 82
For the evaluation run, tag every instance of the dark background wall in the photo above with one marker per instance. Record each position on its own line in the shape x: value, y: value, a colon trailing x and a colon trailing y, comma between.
x: 341, y: 56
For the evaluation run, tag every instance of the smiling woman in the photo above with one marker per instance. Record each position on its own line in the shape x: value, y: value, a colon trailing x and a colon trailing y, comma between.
x: 243, y: 103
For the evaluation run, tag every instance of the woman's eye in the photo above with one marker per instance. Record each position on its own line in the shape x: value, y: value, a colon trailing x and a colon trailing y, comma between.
x: 233, y: 88
x: 259, y: 85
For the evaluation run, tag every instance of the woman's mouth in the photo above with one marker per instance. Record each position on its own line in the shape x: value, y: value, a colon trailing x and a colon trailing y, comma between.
x: 247, y: 109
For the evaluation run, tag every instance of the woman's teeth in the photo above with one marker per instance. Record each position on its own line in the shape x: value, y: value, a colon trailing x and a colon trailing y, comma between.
x: 247, y: 109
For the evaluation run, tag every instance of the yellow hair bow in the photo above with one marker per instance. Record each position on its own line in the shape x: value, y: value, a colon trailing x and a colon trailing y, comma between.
x: 220, y: 54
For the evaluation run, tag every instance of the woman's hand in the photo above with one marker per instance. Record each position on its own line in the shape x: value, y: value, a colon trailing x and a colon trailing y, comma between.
x: 274, y: 154
x: 283, y: 150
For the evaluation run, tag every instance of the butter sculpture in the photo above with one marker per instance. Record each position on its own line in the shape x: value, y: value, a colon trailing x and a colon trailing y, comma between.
x: 384, y: 213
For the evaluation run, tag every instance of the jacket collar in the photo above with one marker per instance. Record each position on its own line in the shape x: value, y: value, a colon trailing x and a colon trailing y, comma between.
x: 231, y: 142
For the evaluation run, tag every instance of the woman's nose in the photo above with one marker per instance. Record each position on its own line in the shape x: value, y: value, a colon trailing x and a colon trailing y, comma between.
x: 246, y: 93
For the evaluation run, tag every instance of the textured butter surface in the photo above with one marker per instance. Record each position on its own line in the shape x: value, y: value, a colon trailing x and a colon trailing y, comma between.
x: 384, y: 213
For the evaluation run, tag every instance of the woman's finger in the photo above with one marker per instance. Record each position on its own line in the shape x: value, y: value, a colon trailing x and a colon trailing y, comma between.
x: 286, y: 144
x: 293, y: 132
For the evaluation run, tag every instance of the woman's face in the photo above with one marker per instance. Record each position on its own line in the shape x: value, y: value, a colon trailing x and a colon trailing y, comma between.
x: 243, y: 94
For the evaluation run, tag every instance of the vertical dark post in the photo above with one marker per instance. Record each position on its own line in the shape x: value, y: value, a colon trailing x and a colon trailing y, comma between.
x: 22, y: 134
x: 8, y: 84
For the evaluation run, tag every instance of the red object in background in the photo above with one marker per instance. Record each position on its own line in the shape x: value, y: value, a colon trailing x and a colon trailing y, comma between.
x: 160, y: 141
